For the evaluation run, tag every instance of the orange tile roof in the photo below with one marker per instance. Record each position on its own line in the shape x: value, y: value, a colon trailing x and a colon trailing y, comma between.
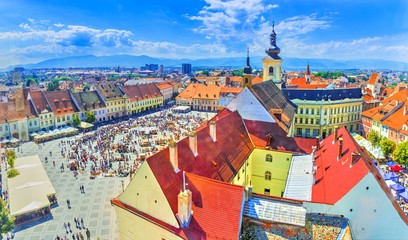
x: 9, y: 110
x: 200, y: 91
x: 39, y: 100
x: 298, y: 81
x: 230, y: 90
x: 257, y: 79
x: 235, y: 78
x: 373, y: 78
x: 163, y: 85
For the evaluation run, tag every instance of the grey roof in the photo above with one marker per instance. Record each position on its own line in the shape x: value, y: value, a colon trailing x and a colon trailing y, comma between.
x: 274, y: 100
x: 275, y: 210
x: 300, y: 178
x: 88, y: 100
x: 323, y: 94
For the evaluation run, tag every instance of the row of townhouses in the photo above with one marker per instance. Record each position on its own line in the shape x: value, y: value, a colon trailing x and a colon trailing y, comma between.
x: 29, y: 111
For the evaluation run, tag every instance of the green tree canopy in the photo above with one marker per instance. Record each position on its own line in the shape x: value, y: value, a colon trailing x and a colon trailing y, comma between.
x: 86, y: 87
x: 329, y: 75
x: 237, y: 73
x: 387, y: 146
x: 11, y: 157
x: 6, y: 221
x: 75, y: 120
x: 90, y: 117
x: 30, y: 81
x: 53, y: 85
x: 374, y: 138
x: 401, y: 153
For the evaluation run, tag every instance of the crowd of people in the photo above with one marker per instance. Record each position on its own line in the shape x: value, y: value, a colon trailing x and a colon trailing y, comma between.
x: 119, y: 149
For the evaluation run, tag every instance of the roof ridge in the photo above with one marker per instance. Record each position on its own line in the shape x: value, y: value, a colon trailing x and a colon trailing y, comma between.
x: 214, y: 180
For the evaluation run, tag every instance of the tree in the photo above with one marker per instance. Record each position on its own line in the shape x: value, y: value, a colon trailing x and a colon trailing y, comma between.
x: 75, y: 120
x: 387, y: 146
x: 401, y: 153
x: 374, y: 138
x: 53, y: 85
x: 86, y: 87
x: 30, y: 81
x: 90, y: 117
x: 6, y: 221
x: 11, y: 157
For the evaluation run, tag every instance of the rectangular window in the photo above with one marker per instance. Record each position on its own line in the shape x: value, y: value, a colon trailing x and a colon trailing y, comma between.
x: 307, y: 111
x: 307, y: 132
x: 267, y: 191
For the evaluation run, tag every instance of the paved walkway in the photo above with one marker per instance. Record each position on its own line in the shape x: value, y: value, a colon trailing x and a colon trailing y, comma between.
x: 93, y: 206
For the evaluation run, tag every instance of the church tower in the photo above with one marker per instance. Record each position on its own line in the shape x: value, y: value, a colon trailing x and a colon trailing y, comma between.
x: 247, y: 74
x: 308, y: 74
x: 272, y: 63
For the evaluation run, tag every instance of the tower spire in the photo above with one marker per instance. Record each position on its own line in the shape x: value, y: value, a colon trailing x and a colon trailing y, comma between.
x: 247, y: 68
x: 273, y: 50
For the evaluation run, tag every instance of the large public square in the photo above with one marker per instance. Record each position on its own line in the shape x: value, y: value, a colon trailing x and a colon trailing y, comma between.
x: 93, y: 206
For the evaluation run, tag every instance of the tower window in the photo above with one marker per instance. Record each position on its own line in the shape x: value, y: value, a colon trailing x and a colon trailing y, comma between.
x: 270, y: 70
x: 268, y: 175
x: 268, y: 158
x: 246, y: 80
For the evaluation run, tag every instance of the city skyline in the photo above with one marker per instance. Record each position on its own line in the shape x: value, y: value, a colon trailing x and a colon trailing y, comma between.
x: 32, y: 31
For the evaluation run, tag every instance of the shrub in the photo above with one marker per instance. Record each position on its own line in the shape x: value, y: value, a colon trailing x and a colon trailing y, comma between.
x: 12, y: 173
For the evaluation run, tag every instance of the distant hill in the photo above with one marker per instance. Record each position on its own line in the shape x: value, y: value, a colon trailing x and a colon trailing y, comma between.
x: 237, y: 62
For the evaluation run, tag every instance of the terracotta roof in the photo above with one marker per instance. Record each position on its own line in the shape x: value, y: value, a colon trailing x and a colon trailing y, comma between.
x: 60, y: 102
x: 257, y: 79
x: 216, y: 160
x: 373, y: 78
x: 275, y: 102
x: 280, y: 141
x: 142, y: 91
x: 163, y: 85
x: 39, y: 100
x: 235, y: 78
x: 200, y: 91
x: 298, y: 81
x: 230, y: 90
x: 399, y: 96
x: 9, y: 110
x: 217, y: 209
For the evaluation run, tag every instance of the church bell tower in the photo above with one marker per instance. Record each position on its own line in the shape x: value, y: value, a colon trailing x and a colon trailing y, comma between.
x: 272, y: 63
x: 247, y: 74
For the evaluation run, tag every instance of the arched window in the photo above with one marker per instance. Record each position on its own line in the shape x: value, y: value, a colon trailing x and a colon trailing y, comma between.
x: 268, y: 158
x: 270, y: 70
x: 246, y: 81
x: 268, y: 175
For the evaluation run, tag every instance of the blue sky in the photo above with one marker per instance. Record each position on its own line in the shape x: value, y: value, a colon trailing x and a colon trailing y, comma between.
x: 35, y: 30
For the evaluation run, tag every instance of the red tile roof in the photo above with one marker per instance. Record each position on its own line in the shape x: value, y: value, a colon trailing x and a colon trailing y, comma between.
x: 335, y: 178
x: 39, y: 100
x: 142, y: 91
x: 217, y: 209
x: 60, y: 102
x: 281, y: 142
x: 257, y: 79
x: 298, y: 81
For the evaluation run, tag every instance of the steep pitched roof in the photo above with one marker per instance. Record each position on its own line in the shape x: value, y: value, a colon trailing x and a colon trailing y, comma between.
x: 280, y: 141
x: 373, y: 78
x: 39, y: 100
x: 200, y: 91
x: 10, y: 111
x: 88, y: 100
x: 60, y: 102
x: 335, y: 178
x: 275, y: 102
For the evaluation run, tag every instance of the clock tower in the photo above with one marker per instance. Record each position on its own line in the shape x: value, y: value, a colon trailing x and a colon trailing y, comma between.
x: 272, y: 63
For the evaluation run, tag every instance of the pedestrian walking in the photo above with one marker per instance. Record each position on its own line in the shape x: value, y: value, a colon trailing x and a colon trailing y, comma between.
x: 53, y: 163
x: 69, y: 226
x: 82, y: 222
x: 88, y: 234
x: 69, y: 204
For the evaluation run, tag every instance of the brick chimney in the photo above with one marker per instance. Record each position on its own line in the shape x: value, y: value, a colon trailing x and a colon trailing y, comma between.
x: 185, y: 205
x: 173, y: 155
x: 213, y: 131
x: 335, y: 134
x: 317, y: 143
x: 192, y: 138
x: 340, y: 148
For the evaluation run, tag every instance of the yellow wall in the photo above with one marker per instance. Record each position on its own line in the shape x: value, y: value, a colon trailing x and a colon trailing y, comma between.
x: 145, y: 194
x: 279, y: 168
x: 277, y: 66
x: 132, y: 227
x: 145, y: 105
x: 116, y: 106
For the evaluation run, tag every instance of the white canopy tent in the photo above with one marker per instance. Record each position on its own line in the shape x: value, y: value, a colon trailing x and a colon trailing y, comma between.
x: 30, y: 189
